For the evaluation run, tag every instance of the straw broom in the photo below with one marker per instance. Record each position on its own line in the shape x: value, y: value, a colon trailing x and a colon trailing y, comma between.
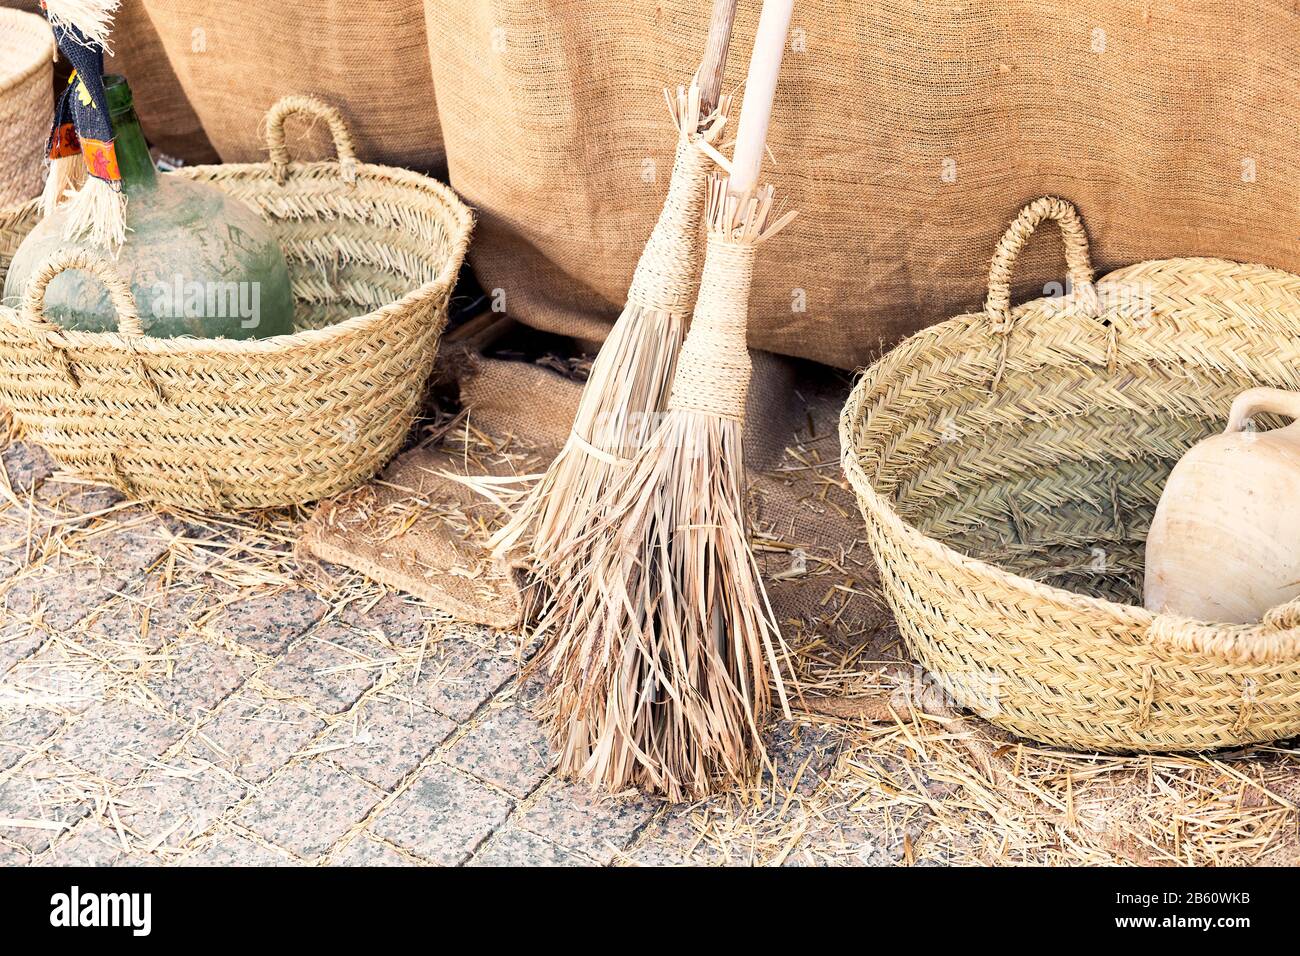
x: 663, y: 646
x: 628, y: 386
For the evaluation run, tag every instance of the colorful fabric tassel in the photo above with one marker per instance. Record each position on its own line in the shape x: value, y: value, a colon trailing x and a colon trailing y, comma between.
x: 82, y: 126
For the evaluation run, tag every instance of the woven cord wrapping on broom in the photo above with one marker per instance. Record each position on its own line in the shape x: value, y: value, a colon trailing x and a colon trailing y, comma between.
x: 628, y: 387
x: 662, y: 645
x: 80, y: 148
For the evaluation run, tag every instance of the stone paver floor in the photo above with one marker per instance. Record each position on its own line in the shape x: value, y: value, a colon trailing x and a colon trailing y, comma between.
x: 174, y: 691
x: 180, y: 690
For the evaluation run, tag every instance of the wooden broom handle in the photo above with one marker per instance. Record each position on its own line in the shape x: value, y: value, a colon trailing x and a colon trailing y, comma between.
x: 714, y: 64
x: 760, y: 91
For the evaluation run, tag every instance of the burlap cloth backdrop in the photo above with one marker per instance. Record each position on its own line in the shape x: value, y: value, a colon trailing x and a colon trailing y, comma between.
x: 204, y: 74
x: 907, y: 135
x: 168, y: 118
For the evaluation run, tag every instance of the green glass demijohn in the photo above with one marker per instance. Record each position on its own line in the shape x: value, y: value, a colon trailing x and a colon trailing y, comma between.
x: 198, y: 261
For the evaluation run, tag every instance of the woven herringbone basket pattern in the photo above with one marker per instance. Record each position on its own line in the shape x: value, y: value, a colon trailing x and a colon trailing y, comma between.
x: 26, y: 102
x: 1009, y: 462
x: 212, y: 424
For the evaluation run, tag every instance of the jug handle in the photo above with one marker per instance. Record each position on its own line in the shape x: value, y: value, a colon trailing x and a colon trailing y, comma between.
x: 1256, y: 400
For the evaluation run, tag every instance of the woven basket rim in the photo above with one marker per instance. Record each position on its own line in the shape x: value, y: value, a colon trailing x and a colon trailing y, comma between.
x: 1255, y: 642
x: 463, y: 218
x: 35, y: 26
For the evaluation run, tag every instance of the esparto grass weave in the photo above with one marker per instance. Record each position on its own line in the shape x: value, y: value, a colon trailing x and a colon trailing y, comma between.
x: 1009, y: 462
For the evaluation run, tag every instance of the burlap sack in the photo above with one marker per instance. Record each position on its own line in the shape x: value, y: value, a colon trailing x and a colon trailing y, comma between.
x: 234, y: 59
x: 906, y: 134
x: 418, y: 531
x: 168, y: 119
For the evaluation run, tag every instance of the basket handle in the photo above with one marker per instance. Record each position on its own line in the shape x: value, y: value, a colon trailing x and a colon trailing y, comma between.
x: 1078, y: 262
x: 119, y: 293
x: 314, y: 108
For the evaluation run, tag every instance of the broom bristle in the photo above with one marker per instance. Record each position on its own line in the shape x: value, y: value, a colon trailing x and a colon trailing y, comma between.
x: 97, y: 215
x: 630, y: 380
x: 628, y: 383
x: 65, y: 174
x: 92, y: 18
x: 662, y: 674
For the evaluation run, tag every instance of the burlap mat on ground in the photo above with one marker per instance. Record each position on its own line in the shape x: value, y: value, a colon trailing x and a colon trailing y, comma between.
x: 906, y: 134
x: 807, y: 530
x: 418, y: 532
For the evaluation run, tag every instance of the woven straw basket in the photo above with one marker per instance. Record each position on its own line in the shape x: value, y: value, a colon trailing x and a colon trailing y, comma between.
x: 26, y: 102
x: 1009, y: 462
x: 215, y: 423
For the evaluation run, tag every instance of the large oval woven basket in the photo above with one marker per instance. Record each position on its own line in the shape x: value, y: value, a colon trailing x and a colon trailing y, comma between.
x: 26, y: 102
x: 212, y: 424
x: 1009, y: 462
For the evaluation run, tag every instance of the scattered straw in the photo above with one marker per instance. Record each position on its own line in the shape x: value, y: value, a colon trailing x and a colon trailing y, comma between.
x: 873, y: 769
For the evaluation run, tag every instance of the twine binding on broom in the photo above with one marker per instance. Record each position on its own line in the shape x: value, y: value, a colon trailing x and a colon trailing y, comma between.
x: 662, y: 644
x: 630, y: 379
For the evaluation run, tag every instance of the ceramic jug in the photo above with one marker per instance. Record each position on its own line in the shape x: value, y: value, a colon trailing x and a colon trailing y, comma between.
x: 1225, y: 541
